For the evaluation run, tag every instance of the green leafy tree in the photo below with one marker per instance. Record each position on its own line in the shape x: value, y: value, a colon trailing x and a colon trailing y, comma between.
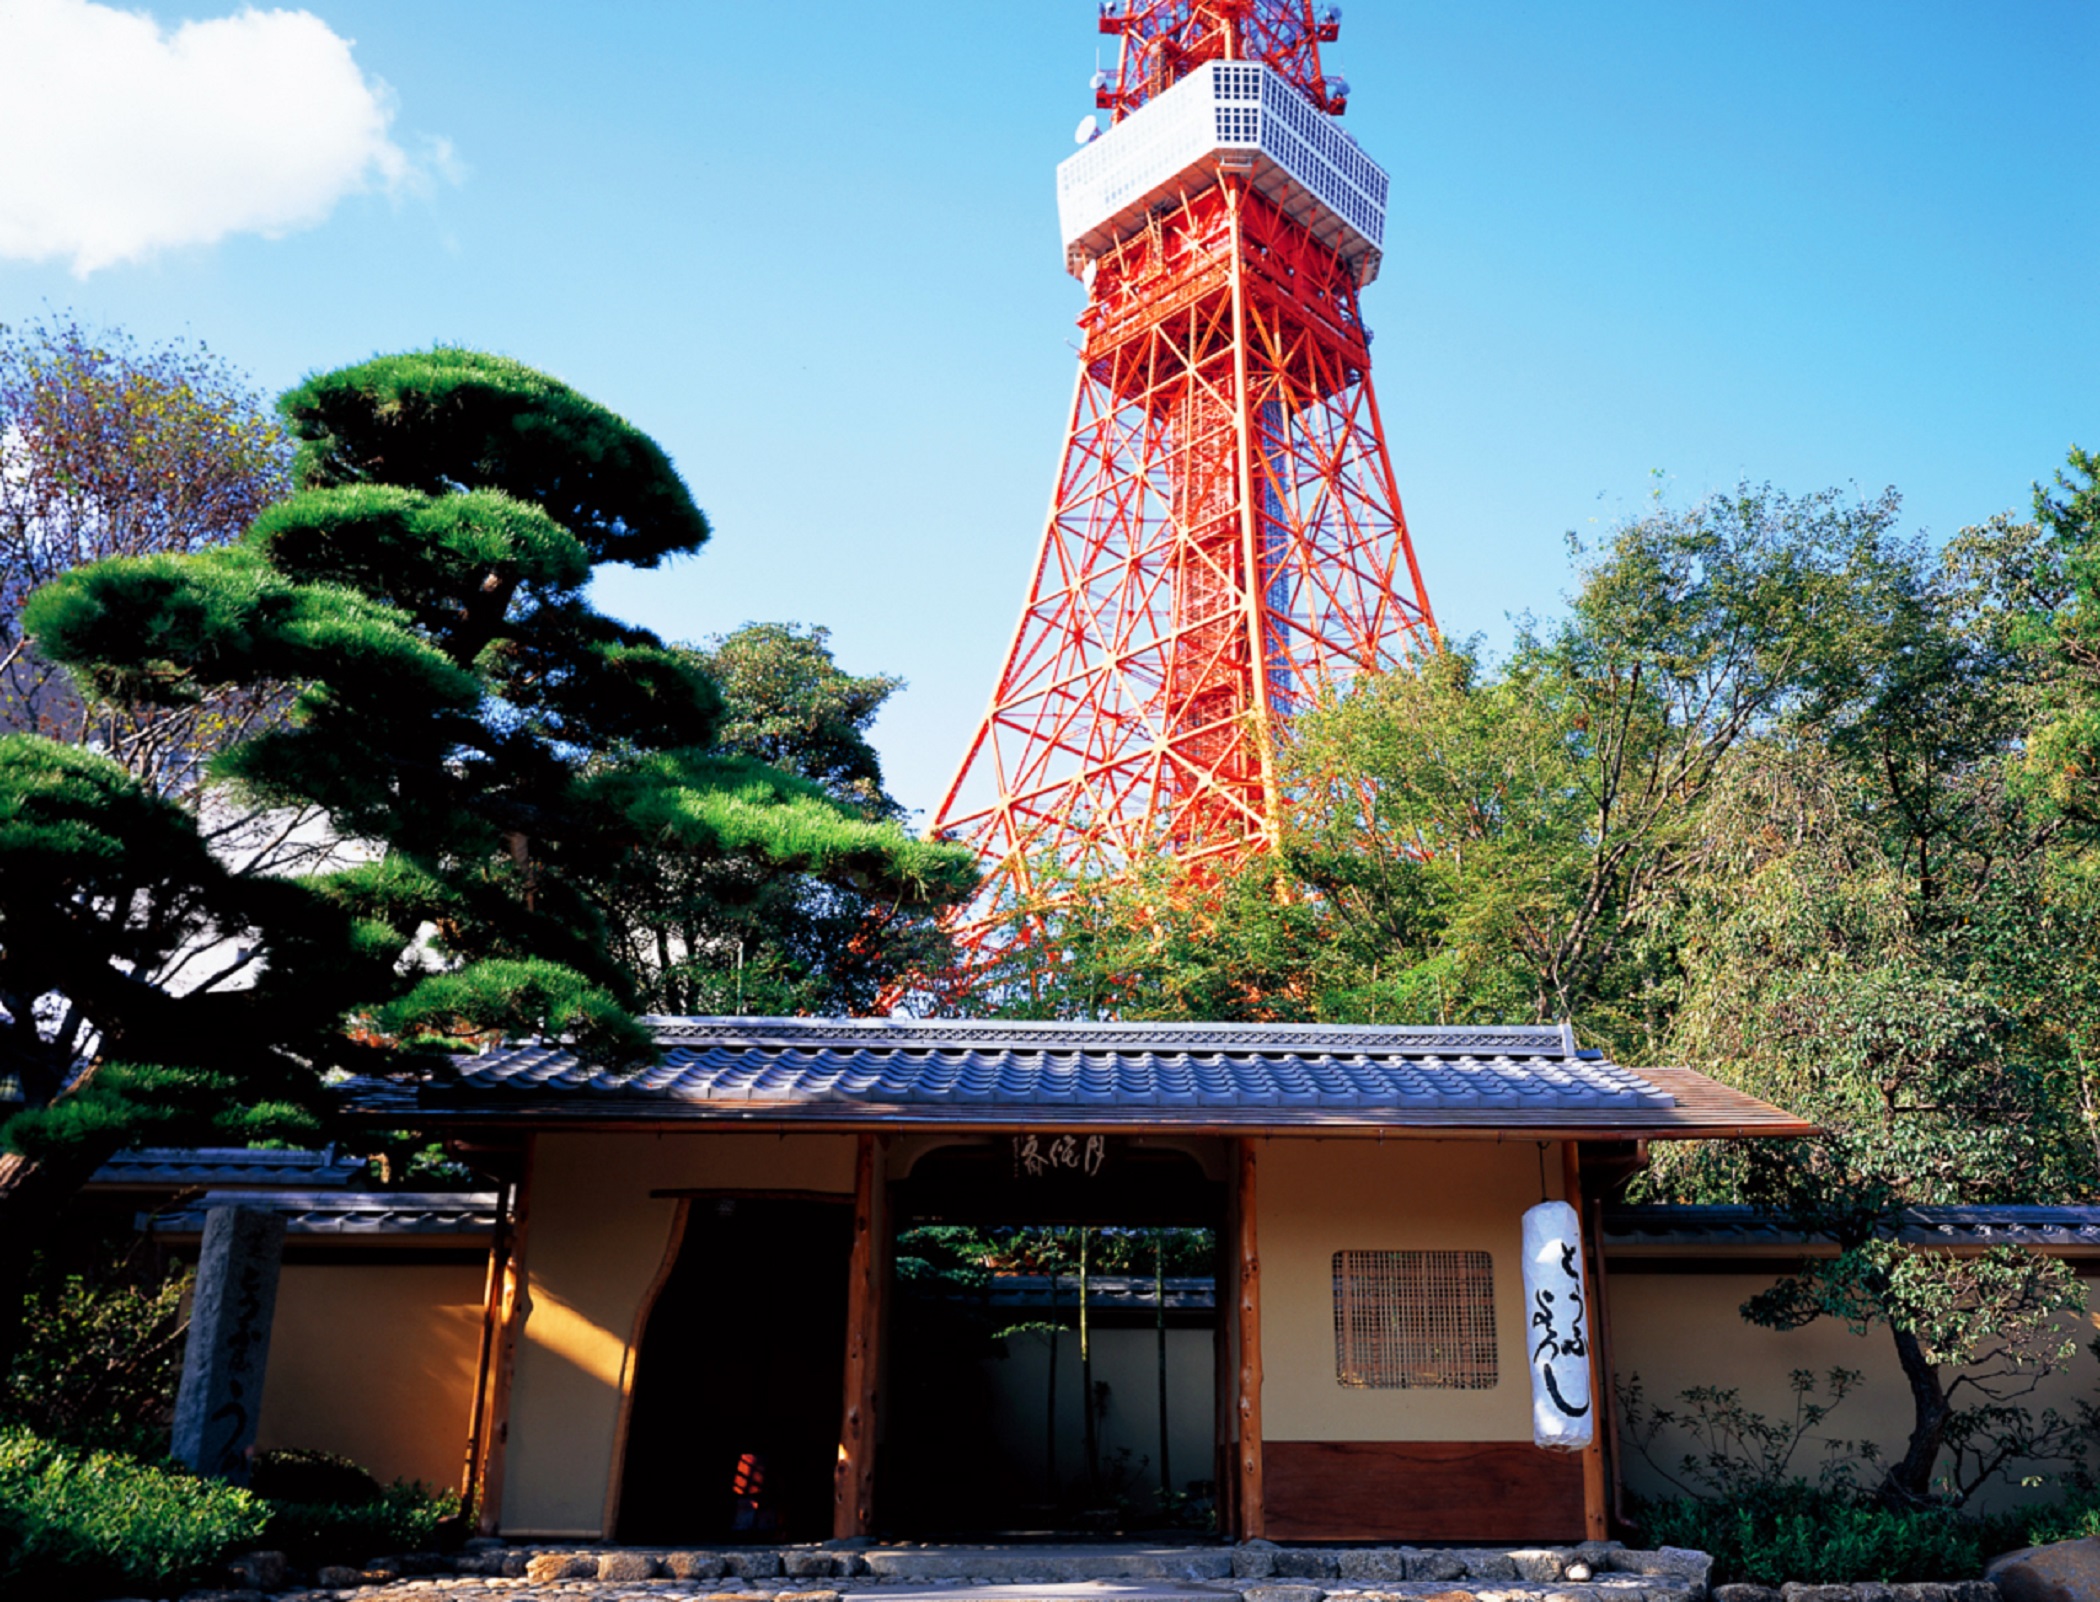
x: 1474, y: 845
x: 701, y: 932
x: 1763, y: 801
x: 787, y: 702
x: 111, y: 449
x: 485, y: 746
x: 147, y: 990
x: 2064, y: 758
x: 101, y: 1355
x: 1882, y: 935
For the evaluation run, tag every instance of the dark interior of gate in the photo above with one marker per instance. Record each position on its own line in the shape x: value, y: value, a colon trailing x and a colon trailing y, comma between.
x: 1023, y: 1397
x: 734, y: 1425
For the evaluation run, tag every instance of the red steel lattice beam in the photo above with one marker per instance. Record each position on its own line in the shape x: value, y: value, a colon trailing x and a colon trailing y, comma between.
x: 1225, y: 535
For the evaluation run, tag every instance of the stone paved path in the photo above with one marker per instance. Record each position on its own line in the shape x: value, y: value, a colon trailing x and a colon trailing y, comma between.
x: 664, y: 1590
x: 1257, y: 1572
x: 480, y: 1589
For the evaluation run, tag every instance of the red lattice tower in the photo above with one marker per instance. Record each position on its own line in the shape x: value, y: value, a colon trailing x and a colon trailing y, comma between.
x: 1225, y: 535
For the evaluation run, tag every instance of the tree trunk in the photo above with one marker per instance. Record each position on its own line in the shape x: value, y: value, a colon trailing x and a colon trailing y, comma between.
x: 1909, y: 1481
x: 33, y: 1191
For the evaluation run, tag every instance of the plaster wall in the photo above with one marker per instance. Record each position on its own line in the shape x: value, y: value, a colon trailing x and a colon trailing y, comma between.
x: 596, y: 1241
x: 376, y: 1362
x: 1677, y: 1330
x: 1127, y: 1362
x: 1315, y: 1198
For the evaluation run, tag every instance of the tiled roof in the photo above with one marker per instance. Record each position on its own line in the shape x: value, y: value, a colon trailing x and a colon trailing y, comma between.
x: 1628, y: 1228
x: 185, y: 1166
x: 1107, y: 1292
x: 801, y: 1070
x: 356, y: 1213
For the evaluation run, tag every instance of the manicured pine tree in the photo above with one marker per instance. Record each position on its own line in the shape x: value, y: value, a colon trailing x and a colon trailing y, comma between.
x: 490, y: 745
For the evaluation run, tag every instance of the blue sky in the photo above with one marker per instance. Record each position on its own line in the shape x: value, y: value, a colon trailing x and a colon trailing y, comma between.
x: 811, y: 246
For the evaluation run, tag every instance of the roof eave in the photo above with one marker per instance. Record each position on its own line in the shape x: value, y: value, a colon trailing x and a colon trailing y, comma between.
x: 570, y: 1113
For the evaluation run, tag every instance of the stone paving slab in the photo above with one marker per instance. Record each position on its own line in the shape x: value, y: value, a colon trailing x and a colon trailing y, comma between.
x: 1614, y: 1588
x: 995, y: 1565
x: 1137, y: 1590
x: 489, y: 1571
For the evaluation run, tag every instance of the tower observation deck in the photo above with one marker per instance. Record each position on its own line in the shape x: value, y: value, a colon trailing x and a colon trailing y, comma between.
x: 1239, y: 117
x: 1225, y: 534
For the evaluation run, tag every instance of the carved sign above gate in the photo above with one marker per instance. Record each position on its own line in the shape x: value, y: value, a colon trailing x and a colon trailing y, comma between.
x: 1044, y: 1156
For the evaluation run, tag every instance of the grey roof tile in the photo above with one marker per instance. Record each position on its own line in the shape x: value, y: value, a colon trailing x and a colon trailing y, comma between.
x: 183, y: 1167
x: 900, y: 1068
x: 352, y: 1213
x: 1663, y: 1225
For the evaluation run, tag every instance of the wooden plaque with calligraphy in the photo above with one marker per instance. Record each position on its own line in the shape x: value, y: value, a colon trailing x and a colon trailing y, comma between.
x: 1051, y: 1176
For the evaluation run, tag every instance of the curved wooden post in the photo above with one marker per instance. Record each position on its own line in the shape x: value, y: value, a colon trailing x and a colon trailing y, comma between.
x: 1252, y: 1521
x: 485, y: 1353
x: 853, y: 1478
x: 513, y: 1307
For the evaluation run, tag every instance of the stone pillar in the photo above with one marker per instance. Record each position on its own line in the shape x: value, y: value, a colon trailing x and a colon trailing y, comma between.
x: 220, y: 1400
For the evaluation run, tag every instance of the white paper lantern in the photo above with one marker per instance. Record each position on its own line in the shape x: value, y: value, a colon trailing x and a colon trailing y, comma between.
x: 1557, y: 1334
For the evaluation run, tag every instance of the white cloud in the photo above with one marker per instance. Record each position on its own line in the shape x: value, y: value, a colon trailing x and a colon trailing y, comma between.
x: 119, y: 139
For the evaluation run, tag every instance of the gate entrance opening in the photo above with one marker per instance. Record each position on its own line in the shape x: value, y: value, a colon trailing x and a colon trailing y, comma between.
x: 733, y: 1427
x: 1055, y: 1361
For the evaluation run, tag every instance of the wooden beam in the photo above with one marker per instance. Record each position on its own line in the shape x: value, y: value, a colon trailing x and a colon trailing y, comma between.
x: 1252, y: 1520
x: 1225, y: 1371
x: 1596, y: 1507
x: 1593, y: 1244
x: 513, y: 1307
x: 853, y: 1477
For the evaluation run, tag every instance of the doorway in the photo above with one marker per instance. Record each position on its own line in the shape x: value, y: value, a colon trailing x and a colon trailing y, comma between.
x: 1054, y: 1344
x: 734, y: 1421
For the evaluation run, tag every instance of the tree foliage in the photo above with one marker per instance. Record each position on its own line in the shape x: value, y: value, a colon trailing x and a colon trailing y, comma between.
x: 490, y: 754
x: 110, y: 449
x: 704, y: 930
x: 1472, y: 844
x: 460, y: 700
x: 1784, y: 794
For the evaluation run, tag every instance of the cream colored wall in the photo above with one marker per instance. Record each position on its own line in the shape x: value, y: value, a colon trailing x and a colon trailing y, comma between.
x: 1678, y: 1330
x: 375, y: 1361
x: 1315, y: 1198
x: 1126, y: 1360
x: 596, y: 1240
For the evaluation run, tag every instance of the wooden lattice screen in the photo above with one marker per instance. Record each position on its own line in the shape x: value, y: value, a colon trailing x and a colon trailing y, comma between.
x: 1409, y: 1320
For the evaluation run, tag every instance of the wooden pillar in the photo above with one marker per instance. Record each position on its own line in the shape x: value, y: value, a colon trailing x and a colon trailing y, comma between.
x: 1600, y: 1332
x: 485, y: 1353
x: 1595, y: 1502
x: 853, y: 1478
x: 513, y: 1307
x: 1225, y: 1371
x: 1253, y: 1523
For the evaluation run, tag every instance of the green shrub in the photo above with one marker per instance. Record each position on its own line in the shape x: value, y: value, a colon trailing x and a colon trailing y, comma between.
x: 307, y: 1476
x: 99, y: 1357
x: 401, y: 1518
x: 78, y: 1524
x: 1804, y: 1532
x: 2073, y: 1520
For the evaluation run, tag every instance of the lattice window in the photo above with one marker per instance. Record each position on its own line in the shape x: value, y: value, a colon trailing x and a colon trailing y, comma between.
x: 1414, y: 1320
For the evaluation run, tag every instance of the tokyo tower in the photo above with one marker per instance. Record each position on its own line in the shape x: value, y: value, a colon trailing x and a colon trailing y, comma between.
x: 1225, y: 536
